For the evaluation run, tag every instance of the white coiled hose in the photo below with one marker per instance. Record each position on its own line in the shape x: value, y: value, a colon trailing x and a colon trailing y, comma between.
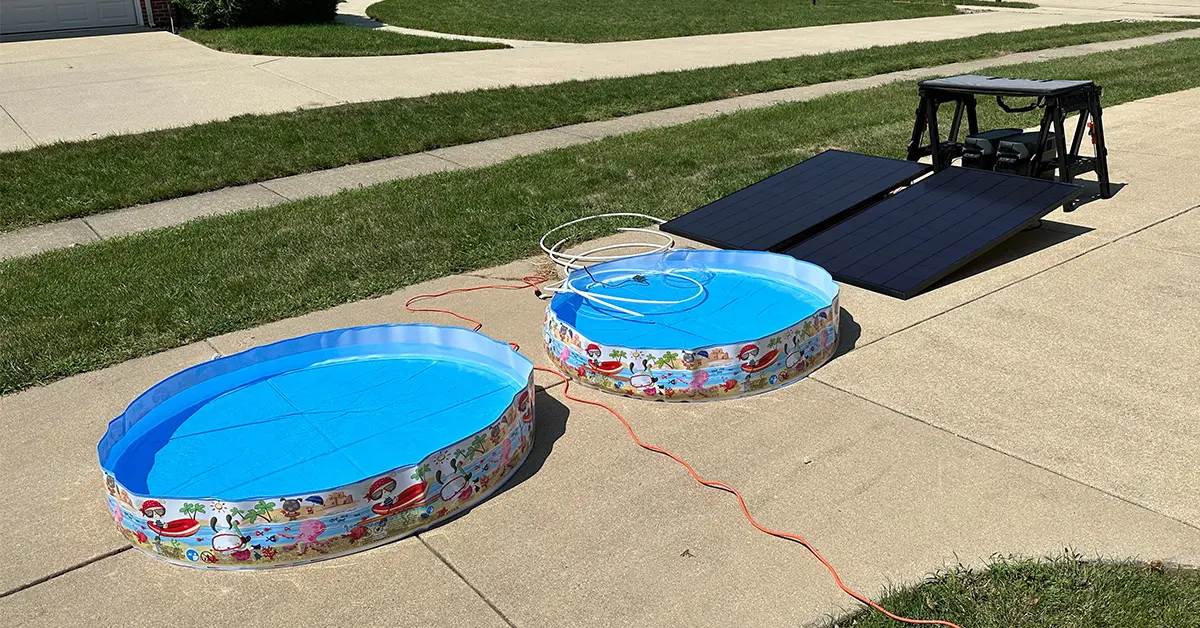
x: 567, y: 262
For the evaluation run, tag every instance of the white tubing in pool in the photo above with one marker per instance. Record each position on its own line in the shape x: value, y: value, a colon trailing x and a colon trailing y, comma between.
x: 567, y: 262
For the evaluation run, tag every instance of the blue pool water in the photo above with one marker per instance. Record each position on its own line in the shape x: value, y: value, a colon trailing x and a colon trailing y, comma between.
x: 295, y: 422
x: 745, y: 296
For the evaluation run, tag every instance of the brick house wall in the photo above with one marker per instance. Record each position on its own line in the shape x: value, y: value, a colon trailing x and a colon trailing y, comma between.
x: 161, y: 10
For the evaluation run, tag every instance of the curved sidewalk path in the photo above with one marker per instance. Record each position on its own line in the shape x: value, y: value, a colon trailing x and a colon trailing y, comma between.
x: 354, y: 13
x: 167, y: 213
x: 53, y: 90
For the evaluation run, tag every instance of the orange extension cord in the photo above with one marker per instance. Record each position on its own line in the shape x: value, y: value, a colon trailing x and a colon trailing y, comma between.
x: 533, y: 282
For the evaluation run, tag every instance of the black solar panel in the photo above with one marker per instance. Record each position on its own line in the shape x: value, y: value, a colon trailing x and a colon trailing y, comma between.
x: 907, y: 242
x: 790, y: 205
x: 976, y: 84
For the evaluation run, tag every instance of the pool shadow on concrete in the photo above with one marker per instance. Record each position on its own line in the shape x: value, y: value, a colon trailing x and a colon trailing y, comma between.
x: 1028, y: 242
x: 849, y: 332
x: 550, y: 424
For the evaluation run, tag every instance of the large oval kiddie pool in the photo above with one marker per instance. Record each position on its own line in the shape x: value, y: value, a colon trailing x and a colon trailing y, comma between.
x: 317, y: 446
x: 689, y: 325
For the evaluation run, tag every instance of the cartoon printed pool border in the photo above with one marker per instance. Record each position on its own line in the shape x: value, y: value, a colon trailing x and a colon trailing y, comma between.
x: 765, y: 363
x: 215, y: 534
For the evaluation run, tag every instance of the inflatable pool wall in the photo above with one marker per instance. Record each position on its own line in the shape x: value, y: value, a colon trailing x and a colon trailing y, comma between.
x: 292, y: 529
x: 279, y: 530
x: 696, y: 373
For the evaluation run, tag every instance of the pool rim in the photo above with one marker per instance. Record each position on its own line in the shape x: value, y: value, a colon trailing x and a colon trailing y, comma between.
x: 146, y: 396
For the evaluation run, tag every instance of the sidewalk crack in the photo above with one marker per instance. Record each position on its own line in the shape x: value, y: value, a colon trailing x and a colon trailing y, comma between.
x: 208, y: 341
x: 1011, y: 456
x: 64, y: 571
x: 817, y: 379
x: 92, y: 229
x: 447, y: 159
x: 18, y: 125
x: 1036, y: 274
x: 458, y: 573
x: 263, y: 185
x: 262, y: 68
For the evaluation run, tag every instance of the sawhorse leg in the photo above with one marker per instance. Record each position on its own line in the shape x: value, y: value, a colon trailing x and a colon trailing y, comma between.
x: 1060, y: 144
x: 935, y: 143
x: 1101, y: 148
x: 972, y: 118
x: 1035, y: 160
x: 926, y: 121
x: 918, y: 133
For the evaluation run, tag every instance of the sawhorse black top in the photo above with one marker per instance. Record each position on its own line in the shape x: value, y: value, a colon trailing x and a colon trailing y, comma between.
x: 1059, y: 98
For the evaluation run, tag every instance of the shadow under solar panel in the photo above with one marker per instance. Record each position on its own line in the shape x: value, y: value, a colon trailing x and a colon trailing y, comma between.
x: 907, y: 242
x: 795, y: 203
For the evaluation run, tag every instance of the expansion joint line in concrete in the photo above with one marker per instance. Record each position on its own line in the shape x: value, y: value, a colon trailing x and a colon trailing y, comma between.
x: 65, y: 570
x: 458, y: 573
x: 1036, y: 274
x: 87, y: 224
x: 455, y: 163
x: 262, y: 67
x: 283, y: 199
x: 18, y: 125
x: 1007, y: 454
x: 983, y: 296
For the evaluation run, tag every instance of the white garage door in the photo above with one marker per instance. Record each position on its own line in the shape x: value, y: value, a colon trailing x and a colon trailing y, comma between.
x: 27, y: 16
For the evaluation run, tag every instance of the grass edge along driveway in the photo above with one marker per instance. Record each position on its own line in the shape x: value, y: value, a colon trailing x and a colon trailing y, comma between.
x: 586, y: 21
x: 75, y: 310
x: 71, y: 180
x: 582, y: 21
x: 325, y: 40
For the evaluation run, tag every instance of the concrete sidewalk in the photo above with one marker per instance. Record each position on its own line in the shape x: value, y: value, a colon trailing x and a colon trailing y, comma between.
x: 1162, y: 8
x: 55, y: 90
x: 1045, y: 397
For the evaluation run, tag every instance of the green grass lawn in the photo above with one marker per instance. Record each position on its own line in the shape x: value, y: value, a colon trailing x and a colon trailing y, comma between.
x: 1007, y: 4
x: 324, y: 40
x: 1065, y: 592
x: 618, y: 20
x: 81, y: 178
x: 79, y: 309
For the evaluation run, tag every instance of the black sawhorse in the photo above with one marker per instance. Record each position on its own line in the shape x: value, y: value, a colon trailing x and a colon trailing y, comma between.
x: 1058, y: 98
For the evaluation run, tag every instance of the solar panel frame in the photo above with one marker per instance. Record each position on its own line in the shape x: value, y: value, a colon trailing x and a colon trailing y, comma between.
x: 915, y: 238
x: 1001, y: 86
x: 785, y: 208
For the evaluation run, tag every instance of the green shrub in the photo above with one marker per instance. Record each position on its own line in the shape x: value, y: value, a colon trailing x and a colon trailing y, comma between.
x: 227, y: 13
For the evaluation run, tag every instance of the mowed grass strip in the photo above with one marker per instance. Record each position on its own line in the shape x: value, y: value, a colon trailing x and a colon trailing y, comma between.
x: 617, y: 20
x: 1004, y: 4
x: 79, y: 309
x: 82, y: 178
x: 325, y: 40
x: 1064, y: 592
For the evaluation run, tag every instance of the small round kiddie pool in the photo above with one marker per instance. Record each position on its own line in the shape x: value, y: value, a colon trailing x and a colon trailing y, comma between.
x: 690, y: 325
x: 317, y: 446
